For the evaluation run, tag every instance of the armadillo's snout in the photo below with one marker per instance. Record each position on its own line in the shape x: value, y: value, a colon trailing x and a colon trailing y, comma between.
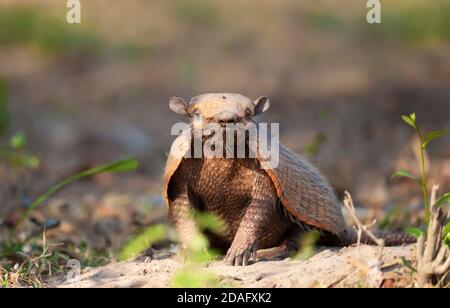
x: 226, y: 117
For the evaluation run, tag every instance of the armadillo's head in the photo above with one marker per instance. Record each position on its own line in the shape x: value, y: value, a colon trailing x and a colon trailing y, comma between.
x: 221, y: 108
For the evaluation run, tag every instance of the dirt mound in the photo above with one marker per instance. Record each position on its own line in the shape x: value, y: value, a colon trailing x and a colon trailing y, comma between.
x: 331, y: 267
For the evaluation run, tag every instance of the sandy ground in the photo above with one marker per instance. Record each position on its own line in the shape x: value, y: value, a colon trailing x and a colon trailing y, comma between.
x: 331, y: 267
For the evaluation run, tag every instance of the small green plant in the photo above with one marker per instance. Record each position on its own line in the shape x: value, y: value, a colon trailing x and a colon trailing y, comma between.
x: 193, y: 274
x: 19, y: 269
x: 308, y: 242
x: 142, y: 241
x: 199, y: 248
x: 424, y: 140
x: 18, y: 162
x: 16, y: 155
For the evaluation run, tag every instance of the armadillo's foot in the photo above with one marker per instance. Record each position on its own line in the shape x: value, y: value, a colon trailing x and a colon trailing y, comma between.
x: 276, y: 253
x: 239, y: 254
x: 273, y: 254
x: 284, y: 250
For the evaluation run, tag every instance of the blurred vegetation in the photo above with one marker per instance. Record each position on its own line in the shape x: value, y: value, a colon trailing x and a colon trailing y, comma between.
x: 193, y: 274
x: 28, y: 26
x: 17, y: 156
x: 143, y: 241
x: 195, y: 277
x: 4, y: 112
x: 196, y: 13
x: 308, y: 245
x: 123, y: 165
x: 323, y: 20
x: 396, y: 218
x: 312, y: 148
x: 417, y: 22
x: 414, y: 22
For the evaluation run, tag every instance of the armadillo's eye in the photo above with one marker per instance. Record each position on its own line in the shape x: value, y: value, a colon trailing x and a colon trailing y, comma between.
x: 197, y: 116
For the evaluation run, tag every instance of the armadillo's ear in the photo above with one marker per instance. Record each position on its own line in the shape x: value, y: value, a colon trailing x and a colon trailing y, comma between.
x: 261, y: 104
x: 178, y: 105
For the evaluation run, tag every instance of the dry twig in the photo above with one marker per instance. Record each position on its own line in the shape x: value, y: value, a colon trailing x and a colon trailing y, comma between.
x: 432, y: 253
x: 348, y: 203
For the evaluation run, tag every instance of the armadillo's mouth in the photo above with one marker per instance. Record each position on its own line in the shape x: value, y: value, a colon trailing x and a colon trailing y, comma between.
x: 227, y: 136
x: 224, y: 124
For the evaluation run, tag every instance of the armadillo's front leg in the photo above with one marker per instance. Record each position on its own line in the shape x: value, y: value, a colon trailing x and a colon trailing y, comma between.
x: 253, y: 227
x: 261, y: 226
x: 181, y: 214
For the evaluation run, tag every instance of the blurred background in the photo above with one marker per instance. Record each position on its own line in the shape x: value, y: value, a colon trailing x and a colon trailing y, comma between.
x: 90, y: 93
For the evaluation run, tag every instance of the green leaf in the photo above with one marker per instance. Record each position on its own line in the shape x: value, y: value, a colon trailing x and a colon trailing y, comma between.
x: 404, y: 173
x: 308, y: 245
x: 18, y: 141
x: 118, y: 166
x: 444, y: 199
x: 433, y: 135
x: 210, y: 222
x: 410, y: 121
x: 447, y: 235
x: 413, y: 117
x: 143, y: 241
x: 416, y: 232
x: 195, y: 277
x: 447, y: 229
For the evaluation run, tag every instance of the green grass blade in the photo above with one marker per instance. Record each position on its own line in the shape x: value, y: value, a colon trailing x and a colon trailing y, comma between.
x: 118, y: 166
x: 404, y: 173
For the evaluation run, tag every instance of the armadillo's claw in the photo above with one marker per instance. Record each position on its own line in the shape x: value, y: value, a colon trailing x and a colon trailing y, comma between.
x: 239, y: 255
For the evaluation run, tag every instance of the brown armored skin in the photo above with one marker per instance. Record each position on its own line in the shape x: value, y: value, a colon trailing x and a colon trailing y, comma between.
x: 264, y: 210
